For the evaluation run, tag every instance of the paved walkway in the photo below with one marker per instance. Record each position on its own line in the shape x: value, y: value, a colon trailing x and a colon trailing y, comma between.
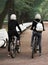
x: 24, y: 58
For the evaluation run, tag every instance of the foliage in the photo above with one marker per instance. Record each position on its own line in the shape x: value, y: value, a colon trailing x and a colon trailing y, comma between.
x: 2, y: 5
x: 26, y: 9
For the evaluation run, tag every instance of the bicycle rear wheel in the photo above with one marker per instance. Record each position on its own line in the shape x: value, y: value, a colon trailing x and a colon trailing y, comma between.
x: 12, y: 49
x: 34, y: 47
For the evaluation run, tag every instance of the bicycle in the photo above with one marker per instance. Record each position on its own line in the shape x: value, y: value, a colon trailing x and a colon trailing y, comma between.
x: 13, y: 46
x: 34, y: 46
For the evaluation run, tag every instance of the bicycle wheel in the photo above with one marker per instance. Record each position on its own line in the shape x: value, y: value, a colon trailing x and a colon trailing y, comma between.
x: 33, y: 48
x: 12, y: 49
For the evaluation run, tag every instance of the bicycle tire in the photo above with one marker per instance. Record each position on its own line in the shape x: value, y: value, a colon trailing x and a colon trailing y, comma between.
x: 34, y: 47
x: 12, y: 50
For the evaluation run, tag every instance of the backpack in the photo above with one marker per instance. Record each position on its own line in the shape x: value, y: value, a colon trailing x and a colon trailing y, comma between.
x: 39, y: 27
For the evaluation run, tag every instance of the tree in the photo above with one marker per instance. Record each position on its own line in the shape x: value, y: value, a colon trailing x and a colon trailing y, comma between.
x: 25, y: 9
x: 9, y: 5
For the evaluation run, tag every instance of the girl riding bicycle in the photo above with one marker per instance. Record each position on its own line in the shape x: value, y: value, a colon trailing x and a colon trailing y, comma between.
x: 12, y: 29
x: 35, y: 32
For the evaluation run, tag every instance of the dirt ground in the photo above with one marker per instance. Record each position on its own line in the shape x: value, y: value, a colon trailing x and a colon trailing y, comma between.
x: 24, y: 58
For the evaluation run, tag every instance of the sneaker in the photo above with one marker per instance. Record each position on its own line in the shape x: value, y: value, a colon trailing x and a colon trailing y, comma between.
x: 18, y: 50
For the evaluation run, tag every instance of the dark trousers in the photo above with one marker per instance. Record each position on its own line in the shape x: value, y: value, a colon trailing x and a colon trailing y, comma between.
x: 39, y: 34
x: 12, y: 33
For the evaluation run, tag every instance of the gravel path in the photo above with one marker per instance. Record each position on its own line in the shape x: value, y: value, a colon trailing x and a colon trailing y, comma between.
x: 24, y: 58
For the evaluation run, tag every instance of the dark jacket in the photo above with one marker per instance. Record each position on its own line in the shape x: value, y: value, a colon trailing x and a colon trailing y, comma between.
x: 12, y: 25
x: 34, y: 23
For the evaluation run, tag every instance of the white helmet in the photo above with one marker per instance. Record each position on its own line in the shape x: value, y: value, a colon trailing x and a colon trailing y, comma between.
x: 13, y: 17
x: 37, y: 16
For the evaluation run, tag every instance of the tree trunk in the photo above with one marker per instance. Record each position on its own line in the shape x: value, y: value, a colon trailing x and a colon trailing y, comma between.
x: 9, y: 4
